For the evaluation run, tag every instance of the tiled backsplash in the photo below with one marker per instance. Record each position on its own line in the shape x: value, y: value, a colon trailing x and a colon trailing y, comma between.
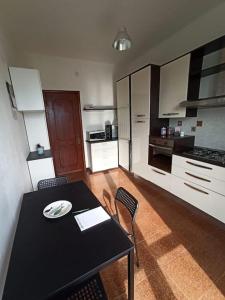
x: 212, y: 132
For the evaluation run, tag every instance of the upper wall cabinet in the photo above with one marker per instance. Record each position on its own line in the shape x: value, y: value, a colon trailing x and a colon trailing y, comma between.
x: 174, y: 78
x: 140, y: 93
x: 27, y: 88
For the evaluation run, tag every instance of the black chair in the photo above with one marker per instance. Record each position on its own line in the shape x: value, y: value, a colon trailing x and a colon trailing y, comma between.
x: 89, y: 289
x: 131, y: 204
x: 50, y: 182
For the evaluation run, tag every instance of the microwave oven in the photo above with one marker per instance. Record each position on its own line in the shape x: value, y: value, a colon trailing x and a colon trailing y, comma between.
x: 97, y: 135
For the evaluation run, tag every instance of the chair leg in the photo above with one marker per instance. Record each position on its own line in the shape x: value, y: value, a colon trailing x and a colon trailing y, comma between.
x: 117, y: 214
x: 135, y: 246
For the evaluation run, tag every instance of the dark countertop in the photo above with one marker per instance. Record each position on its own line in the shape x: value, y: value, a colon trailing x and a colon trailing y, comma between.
x: 171, y: 137
x: 102, y: 141
x: 34, y: 156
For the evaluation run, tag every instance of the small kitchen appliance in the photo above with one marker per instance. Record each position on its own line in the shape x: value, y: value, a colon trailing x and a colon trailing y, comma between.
x: 97, y: 135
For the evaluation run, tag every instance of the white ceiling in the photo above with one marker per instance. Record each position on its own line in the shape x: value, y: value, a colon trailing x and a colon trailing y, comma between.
x: 85, y: 29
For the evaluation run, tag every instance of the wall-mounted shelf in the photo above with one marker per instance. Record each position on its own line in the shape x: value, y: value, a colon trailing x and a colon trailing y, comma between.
x: 99, y: 108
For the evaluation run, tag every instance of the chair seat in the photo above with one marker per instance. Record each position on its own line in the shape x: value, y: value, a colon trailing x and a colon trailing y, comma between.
x: 88, y: 290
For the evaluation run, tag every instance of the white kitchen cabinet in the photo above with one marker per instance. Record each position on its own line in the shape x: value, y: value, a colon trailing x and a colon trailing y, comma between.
x: 198, y: 167
x: 103, y: 155
x: 200, y: 197
x: 124, y: 153
x: 159, y: 177
x: 140, y: 137
x: 140, y: 103
x: 27, y: 89
x: 140, y: 93
x: 41, y: 169
x: 174, y: 78
x: 123, y: 116
x: 210, y: 183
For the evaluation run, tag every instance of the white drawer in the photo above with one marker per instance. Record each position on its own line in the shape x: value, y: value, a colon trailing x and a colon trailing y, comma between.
x: 207, y: 201
x: 104, y: 145
x: 200, y: 167
x: 159, y: 177
x: 210, y: 183
x: 104, y: 156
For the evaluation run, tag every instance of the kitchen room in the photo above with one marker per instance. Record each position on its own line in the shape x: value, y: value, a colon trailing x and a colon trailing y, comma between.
x: 148, y: 122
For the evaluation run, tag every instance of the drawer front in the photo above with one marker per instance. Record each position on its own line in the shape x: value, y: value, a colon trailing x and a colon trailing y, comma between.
x: 104, y: 156
x: 159, y: 177
x: 204, y: 199
x: 210, y: 183
x: 200, y: 167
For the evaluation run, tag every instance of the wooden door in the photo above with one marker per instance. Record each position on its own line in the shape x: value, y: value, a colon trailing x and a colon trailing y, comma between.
x: 65, y: 130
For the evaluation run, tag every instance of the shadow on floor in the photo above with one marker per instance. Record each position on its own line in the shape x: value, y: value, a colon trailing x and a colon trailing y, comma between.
x: 201, y: 239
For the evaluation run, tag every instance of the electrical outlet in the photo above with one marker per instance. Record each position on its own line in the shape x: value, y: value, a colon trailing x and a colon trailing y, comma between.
x: 193, y: 128
x: 199, y: 124
x: 179, y: 123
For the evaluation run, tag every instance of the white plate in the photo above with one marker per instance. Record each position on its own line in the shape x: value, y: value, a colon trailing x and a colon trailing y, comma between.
x: 57, y: 209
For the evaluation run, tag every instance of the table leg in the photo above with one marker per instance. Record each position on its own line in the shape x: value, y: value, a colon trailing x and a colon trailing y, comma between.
x: 131, y: 275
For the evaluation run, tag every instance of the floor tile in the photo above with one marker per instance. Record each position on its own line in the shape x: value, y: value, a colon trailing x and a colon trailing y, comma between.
x: 181, y: 250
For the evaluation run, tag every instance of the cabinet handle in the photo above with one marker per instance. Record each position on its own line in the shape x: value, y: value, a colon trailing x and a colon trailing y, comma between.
x: 170, y: 114
x: 161, y: 147
x: 197, y: 177
x: 140, y: 122
x: 196, y: 189
x: 197, y: 165
x: 156, y: 171
x: 140, y: 115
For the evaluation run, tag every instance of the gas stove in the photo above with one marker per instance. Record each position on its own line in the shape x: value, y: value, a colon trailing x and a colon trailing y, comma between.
x: 213, y: 156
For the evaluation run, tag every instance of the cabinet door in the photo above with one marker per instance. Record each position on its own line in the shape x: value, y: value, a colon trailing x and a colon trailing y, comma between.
x: 123, y: 108
x: 27, y: 88
x: 140, y: 139
x: 41, y: 169
x: 173, y: 87
x: 140, y: 93
x: 104, y: 156
x: 159, y: 177
x: 204, y: 199
x: 124, y: 154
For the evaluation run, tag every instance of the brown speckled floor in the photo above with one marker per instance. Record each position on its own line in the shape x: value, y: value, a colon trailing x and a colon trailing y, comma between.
x: 182, y: 251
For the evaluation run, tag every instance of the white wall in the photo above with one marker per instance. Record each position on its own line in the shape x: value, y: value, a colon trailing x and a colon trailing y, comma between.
x: 94, y: 81
x: 204, y: 29
x: 14, y: 175
x: 36, y: 127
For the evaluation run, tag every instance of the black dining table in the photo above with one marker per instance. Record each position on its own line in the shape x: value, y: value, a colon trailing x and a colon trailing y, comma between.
x: 49, y: 256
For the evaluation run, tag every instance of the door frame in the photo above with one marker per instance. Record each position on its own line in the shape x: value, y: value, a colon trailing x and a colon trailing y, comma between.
x: 80, y: 121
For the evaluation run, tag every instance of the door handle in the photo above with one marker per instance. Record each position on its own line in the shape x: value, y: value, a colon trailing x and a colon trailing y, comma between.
x: 197, y: 165
x: 140, y: 115
x: 196, y: 189
x: 197, y: 177
x: 170, y: 114
x: 156, y: 171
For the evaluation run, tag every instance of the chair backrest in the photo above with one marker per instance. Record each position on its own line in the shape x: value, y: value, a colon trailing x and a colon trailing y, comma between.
x: 51, y: 182
x: 127, y: 200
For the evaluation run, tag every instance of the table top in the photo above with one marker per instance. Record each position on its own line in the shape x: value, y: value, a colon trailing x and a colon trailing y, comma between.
x: 50, y: 255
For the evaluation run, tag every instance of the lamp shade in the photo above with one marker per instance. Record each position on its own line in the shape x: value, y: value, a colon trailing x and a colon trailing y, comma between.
x: 122, y: 40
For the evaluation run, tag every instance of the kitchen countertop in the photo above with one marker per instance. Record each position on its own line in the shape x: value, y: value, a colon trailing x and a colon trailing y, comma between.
x: 102, y: 141
x: 171, y: 137
x: 34, y: 156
